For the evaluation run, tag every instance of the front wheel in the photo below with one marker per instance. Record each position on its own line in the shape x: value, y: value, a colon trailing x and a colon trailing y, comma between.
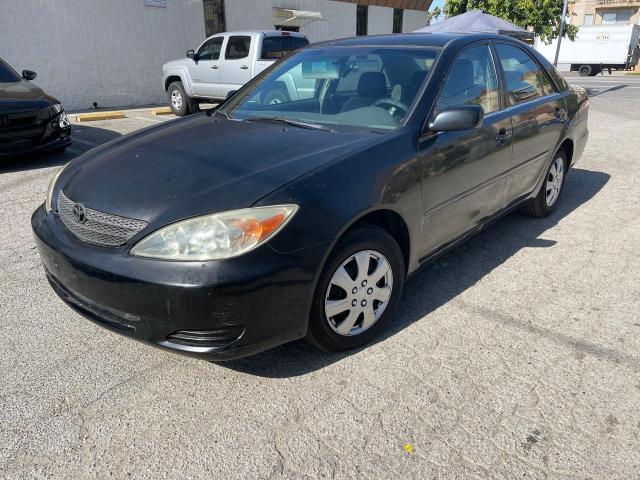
x: 358, y: 290
x: 547, y: 199
x: 178, y: 100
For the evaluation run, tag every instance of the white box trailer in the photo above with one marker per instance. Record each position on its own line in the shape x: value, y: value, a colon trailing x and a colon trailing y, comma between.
x: 596, y: 48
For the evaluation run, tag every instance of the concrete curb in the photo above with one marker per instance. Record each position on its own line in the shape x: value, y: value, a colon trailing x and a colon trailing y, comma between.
x: 92, y: 117
x: 161, y: 111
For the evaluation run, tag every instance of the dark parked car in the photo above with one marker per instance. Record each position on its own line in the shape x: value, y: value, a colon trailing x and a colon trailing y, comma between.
x: 30, y: 120
x: 229, y: 232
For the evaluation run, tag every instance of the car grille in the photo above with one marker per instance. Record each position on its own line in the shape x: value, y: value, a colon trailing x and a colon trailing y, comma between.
x: 20, y: 130
x: 97, y: 227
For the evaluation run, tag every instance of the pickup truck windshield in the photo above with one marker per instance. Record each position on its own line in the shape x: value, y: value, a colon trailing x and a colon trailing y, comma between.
x: 372, y: 87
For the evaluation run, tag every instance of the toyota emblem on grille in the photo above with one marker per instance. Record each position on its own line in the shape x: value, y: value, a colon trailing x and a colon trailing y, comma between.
x: 79, y: 213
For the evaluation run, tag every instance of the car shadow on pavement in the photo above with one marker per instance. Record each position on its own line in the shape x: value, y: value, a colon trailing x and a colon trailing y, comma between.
x: 24, y: 163
x: 445, y: 279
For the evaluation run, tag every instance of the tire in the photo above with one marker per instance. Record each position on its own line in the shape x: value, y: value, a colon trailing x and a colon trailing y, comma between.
x: 373, y: 302
x: 543, y: 205
x: 275, y: 97
x: 179, y: 102
x: 585, y: 70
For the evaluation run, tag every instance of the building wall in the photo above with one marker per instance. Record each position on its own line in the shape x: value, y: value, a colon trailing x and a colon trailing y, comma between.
x: 412, y: 20
x: 597, y: 8
x: 109, y: 52
x: 380, y: 20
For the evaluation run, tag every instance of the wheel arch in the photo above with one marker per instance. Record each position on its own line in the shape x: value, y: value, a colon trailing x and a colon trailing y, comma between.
x: 568, y: 147
x: 388, y: 220
x: 178, y: 76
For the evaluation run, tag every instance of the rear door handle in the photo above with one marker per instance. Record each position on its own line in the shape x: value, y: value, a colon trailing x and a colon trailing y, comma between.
x: 215, y: 67
x: 244, y: 67
x: 503, y: 135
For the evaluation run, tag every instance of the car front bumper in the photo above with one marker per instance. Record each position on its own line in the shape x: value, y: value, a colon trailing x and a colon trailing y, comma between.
x: 51, y: 138
x: 211, y: 310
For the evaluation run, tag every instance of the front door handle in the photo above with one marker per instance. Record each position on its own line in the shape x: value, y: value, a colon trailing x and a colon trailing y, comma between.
x: 504, y: 134
x: 215, y: 67
x: 244, y: 67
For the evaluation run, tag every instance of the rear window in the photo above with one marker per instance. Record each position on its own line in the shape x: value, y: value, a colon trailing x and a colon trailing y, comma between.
x: 7, y: 74
x: 274, y: 48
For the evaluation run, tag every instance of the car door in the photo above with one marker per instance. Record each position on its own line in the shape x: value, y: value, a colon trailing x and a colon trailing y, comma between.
x: 235, y: 68
x: 463, y: 172
x: 538, y: 115
x: 205, y: 71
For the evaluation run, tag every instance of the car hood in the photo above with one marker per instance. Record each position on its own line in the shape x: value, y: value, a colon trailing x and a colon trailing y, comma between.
x: 23, y: 95
x: 198, y: 165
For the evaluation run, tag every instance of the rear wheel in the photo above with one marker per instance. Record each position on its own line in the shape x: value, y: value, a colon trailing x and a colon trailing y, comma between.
x: 585, y: 70
x: 358, y: 290
x: 547, y: 199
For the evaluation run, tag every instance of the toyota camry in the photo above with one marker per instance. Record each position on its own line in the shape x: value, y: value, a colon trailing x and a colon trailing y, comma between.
x: 257, y: 223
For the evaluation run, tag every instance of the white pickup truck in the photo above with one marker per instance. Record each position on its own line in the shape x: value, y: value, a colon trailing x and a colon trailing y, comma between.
x: 223, y: 63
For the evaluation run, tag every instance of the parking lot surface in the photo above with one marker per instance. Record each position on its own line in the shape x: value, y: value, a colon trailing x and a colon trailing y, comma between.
x: 515, y: 356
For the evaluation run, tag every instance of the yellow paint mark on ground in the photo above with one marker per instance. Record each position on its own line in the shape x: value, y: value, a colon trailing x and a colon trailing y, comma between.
x: 161, y: 111
x: 92, y: 117
x: 408, y: 447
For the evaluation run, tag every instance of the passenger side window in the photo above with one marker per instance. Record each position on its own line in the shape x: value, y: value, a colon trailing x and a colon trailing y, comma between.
x: 211, y: 49
x: 524, y: 78
x: 237, y: 47
x: 472, y: 80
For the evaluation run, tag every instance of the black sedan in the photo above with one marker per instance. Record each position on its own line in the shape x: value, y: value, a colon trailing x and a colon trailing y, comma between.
x: 248, y: 226
x: 30, y: 120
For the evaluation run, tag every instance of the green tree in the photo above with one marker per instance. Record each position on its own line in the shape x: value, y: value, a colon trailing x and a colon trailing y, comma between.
x: 431, y: 15
x: 542, y: 15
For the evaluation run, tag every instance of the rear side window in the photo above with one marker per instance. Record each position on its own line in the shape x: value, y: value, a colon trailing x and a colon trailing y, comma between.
x: 274, y: 48
x: 7, y: 74
x: 237, y: 47
x: 472, y: 80
x: 211, y: 49
x: 525, y: 80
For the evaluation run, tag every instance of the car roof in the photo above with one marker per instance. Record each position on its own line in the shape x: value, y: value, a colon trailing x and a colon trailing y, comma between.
x: 412, y: 39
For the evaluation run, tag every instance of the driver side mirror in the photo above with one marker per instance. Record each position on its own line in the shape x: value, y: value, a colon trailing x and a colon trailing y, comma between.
x: 191, y: 54
x: 29, y: 75
x: 463, y: 117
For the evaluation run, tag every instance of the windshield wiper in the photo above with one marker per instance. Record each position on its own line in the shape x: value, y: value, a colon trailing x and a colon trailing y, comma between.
x: 290, y: 121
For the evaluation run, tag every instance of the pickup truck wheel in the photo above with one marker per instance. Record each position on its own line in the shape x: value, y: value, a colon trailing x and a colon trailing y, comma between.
x: 178, y: 100
x: 275, y: 97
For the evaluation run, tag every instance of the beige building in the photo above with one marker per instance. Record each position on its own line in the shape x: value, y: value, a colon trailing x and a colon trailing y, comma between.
x: 604, y: 12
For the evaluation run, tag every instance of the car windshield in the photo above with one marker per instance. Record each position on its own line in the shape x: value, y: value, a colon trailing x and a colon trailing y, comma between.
x: 372, y: 87
x: 7, y: 74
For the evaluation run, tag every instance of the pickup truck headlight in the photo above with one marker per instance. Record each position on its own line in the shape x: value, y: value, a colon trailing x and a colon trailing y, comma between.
x: 52, y: 185
x: 217, y: 236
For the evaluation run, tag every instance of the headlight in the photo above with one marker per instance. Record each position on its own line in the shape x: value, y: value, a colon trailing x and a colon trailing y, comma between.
x: 63, y: 120
x: 52, y: 185
x: 55, y: 109
x: 217, y: 236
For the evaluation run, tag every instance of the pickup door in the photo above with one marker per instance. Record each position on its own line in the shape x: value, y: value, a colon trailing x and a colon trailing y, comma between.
x: 204, y: 70
x: 235, y: 67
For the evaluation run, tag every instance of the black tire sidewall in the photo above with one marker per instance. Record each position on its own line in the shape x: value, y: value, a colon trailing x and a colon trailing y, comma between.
x: 185, y: 100
x: 541, y: 199
x: 365, y: 238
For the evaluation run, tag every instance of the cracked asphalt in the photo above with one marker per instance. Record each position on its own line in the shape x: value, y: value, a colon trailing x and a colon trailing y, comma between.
x: 515, y: 356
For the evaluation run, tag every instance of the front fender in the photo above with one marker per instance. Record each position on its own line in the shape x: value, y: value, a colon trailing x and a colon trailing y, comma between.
x: 183, y: 74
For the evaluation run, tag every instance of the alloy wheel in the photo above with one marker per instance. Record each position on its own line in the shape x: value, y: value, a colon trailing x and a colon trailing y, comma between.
x: 358, y: 293
x: 553, y: 184
x: 176, y: 99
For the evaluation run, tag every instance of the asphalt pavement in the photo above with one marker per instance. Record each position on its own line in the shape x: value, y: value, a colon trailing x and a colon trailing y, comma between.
x: 515, y: 356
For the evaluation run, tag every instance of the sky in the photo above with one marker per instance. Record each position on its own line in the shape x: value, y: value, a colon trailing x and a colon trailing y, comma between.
x: 437, y: 3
